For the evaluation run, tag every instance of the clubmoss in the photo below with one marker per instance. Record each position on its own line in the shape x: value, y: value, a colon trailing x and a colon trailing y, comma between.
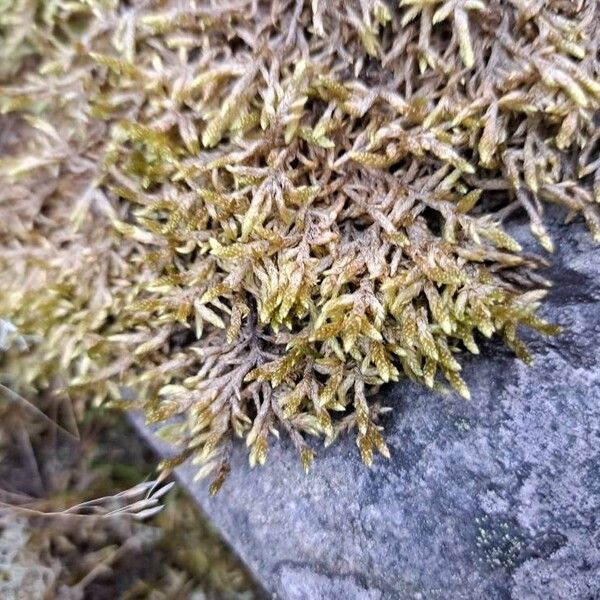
x: 255, y: 214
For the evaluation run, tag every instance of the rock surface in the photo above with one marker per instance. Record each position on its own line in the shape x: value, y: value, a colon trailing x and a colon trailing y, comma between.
x: 21, y: 575
x: 494, y: 498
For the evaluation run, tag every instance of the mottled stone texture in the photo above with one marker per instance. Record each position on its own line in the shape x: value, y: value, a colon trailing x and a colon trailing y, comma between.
x: 498, y: 497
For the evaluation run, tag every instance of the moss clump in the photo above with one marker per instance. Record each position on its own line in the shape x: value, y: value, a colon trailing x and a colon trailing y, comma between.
x: 297, y: 202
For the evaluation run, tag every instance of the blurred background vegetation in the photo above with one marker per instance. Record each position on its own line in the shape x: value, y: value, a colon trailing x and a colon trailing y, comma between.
x: 173, y: 555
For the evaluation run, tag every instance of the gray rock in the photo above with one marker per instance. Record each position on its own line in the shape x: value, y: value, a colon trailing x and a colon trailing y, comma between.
x: 21, y: 575
x: 494, y: 498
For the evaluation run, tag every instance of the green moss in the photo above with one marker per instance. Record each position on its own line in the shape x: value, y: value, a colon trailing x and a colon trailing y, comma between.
x: 501, y: 543
x: 265, y: 214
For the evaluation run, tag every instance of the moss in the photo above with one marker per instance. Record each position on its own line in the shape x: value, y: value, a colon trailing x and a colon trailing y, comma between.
x: 255, y: 215
x: 503, y: 544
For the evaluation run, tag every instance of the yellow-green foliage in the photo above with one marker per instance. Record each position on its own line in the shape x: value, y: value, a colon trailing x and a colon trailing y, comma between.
x: 259, y: 212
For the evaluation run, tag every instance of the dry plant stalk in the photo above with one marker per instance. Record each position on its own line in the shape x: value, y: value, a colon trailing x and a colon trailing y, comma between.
x: 255, y: 213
